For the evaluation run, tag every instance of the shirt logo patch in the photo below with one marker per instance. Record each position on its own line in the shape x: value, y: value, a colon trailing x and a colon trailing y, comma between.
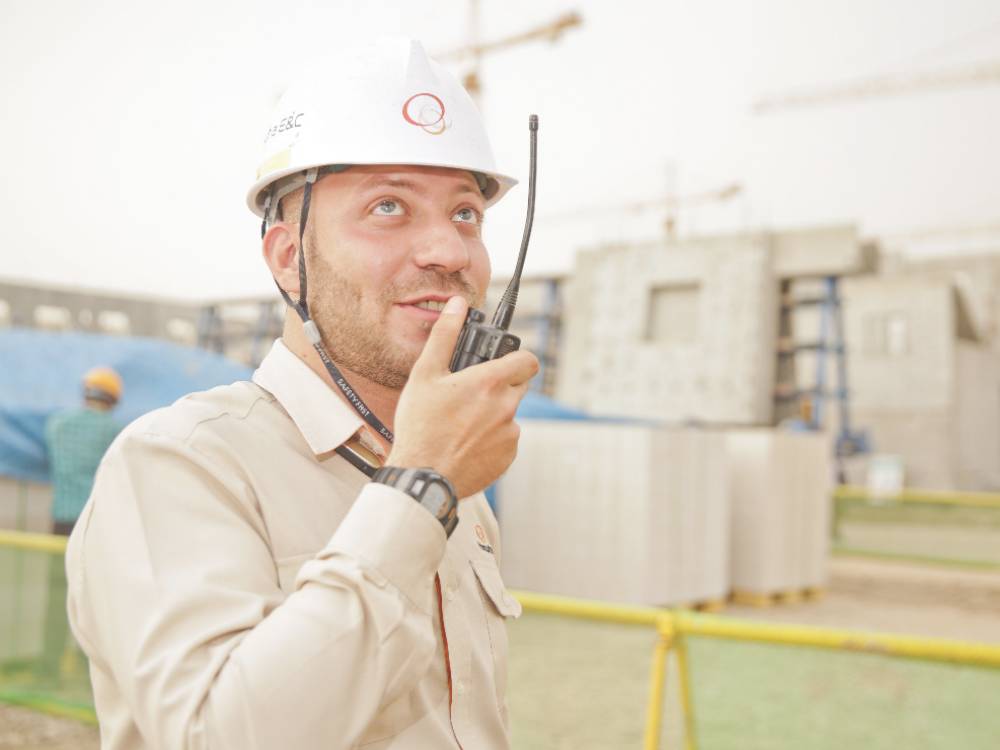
x: 482, y: 540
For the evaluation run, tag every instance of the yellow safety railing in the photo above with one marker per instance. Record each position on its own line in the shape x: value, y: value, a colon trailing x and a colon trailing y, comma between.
x: 673, y: 625
x: 927, y: 497
x: 33, y: 542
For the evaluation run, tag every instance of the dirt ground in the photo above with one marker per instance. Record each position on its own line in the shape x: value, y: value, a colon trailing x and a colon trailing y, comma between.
x: 898, y: 597
x: 863, y: 595
x: 576, y: 686
x: 24, y: 729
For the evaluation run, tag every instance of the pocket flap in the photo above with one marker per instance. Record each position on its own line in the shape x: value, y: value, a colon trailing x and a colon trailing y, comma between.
x: 489, y: 578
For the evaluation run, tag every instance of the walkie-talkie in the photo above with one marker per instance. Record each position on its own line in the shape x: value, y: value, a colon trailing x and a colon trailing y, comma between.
x: 478, y: 341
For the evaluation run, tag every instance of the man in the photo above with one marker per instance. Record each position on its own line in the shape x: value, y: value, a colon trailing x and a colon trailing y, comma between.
x: 76, y: 440
x: 245, y: 574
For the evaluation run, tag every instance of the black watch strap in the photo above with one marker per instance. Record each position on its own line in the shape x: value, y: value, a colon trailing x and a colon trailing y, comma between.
x: 432, y: 490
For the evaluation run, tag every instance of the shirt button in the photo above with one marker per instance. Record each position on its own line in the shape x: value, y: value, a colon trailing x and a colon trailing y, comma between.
x: 460, y: 687
x: 449, y: 594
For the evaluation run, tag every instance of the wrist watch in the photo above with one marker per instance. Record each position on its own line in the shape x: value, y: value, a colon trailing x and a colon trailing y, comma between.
x: 432, y: 490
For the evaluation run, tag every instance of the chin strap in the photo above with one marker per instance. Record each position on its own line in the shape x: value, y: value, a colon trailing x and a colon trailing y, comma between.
x: 312, y: 330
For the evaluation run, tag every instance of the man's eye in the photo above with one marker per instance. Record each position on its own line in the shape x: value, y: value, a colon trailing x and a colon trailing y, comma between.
x: 388, y: 208
x: 466, y: 216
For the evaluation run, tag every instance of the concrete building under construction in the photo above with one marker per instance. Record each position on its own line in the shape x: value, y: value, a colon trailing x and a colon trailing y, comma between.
x: 732, y: 330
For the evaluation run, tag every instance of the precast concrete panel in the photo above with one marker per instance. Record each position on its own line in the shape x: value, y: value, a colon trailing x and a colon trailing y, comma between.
x: 977, y: 417
x: 824, y: 251
x: 613, y: 364
x: 900, y: 330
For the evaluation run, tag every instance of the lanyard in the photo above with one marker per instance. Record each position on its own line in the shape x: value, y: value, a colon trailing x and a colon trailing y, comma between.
x: 316, y: 339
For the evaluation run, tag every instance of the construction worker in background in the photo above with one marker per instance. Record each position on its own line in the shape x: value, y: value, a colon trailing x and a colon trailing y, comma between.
x: 76, y: 440
x: 307, y: 560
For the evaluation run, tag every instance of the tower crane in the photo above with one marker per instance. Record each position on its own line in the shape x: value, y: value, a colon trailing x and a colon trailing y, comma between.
x: 873, y: 87
x: 671, y: 203
x: 550, y: 32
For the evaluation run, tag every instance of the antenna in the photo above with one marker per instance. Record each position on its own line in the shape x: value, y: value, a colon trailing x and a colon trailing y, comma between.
x: 505, y: 310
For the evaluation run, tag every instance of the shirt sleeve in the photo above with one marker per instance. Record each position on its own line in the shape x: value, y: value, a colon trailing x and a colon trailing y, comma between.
x: 174, y: 592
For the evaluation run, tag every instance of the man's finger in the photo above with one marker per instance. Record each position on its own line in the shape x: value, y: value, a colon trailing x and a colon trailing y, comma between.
x: 440, y: 345
x: 525, y: 367
x: 515, y: 368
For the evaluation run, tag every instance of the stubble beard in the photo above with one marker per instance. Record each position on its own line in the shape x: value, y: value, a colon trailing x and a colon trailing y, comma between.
x: 354, y: 328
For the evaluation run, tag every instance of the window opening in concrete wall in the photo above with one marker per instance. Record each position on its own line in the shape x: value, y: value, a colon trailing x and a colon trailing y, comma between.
x: 887, y: 334
x: 85, y: 318
x: 114, y: 322
x: 897, y: 335
x: 53, y: 318
x: 673, y: 314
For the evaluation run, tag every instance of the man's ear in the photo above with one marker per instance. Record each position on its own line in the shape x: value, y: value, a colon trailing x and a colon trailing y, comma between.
x: 280, y: 249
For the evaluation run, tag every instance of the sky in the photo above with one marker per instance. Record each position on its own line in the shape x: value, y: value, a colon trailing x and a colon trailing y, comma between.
x: 131, y: 130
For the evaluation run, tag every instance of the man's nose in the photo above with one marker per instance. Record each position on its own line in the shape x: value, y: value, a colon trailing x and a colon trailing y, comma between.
x: 440, y: 246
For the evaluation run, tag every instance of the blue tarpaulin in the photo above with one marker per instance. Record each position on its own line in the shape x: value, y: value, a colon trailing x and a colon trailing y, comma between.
x: 536, y: 406
x: 40, y: 374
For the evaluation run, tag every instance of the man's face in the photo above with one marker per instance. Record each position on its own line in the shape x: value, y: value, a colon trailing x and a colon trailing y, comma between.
x: 386, y: 245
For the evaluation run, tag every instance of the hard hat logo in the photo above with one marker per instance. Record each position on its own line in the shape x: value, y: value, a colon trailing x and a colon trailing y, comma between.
x: 288, y: 122
x: 426, y: 111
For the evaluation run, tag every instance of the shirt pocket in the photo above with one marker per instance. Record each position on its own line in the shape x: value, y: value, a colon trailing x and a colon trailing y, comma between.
x: 498, y: 605
x: 489, y: 579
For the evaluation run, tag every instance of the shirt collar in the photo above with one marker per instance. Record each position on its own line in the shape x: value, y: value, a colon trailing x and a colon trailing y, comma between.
x: 322, y: 417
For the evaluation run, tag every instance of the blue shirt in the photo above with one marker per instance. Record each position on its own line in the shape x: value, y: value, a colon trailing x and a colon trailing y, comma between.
x: 76, y: 441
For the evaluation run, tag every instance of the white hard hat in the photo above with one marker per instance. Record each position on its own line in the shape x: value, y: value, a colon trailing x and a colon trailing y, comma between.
x: 385, y: 102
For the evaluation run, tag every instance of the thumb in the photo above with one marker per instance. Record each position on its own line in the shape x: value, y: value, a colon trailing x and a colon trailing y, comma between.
x: 440, y: 345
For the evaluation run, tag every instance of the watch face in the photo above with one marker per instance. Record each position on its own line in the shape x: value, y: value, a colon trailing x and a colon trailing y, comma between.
x: 435, y: 498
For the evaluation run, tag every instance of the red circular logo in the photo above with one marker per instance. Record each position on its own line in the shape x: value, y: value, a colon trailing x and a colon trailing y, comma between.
x: 426, y: 111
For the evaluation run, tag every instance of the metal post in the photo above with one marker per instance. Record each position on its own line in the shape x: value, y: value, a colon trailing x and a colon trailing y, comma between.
x: 657, y: 675
x: 825, y: 315
x: 684, y: 677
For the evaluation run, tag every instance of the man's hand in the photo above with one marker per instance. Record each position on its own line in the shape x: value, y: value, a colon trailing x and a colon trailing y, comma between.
x: 461, y: 424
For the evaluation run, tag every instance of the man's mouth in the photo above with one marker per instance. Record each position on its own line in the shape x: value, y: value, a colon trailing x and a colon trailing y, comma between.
x: 426, y: 308
x: 430, y: 304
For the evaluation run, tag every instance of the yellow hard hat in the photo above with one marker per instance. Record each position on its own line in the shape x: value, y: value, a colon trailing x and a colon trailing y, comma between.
x: 102, y: 383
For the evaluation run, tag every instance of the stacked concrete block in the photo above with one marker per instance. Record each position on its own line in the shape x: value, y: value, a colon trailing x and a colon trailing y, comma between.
x: 617, y: 512
x: 780, y: 486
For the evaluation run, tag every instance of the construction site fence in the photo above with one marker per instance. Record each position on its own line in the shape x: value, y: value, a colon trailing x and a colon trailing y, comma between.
x: 674, y: 626
x: 72, y: 698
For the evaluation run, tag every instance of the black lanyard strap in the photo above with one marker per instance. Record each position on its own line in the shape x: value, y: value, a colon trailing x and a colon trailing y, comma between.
x: 312, y: 330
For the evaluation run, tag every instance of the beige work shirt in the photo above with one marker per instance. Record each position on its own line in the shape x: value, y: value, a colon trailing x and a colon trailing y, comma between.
x: 237, y: 584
